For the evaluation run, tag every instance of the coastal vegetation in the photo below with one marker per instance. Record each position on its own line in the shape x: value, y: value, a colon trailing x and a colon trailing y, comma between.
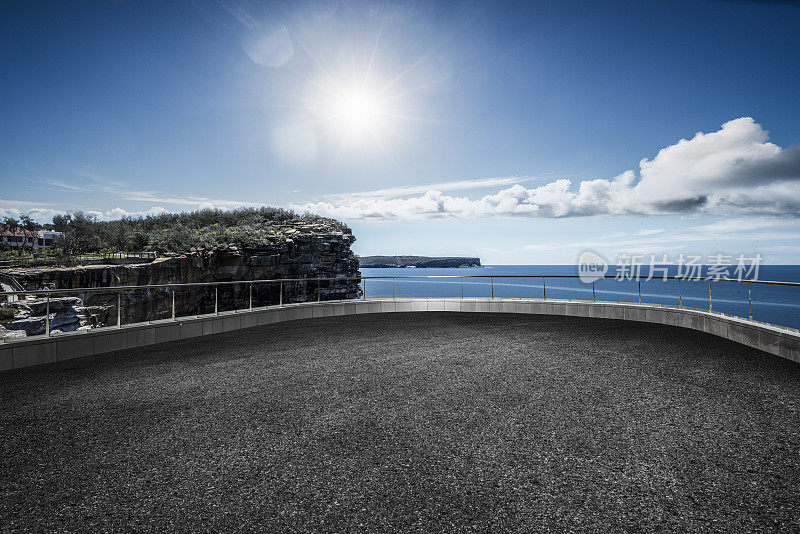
x: 181, y: 232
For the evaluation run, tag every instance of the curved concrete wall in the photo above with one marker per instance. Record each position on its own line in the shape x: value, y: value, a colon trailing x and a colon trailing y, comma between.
x: 41, y: 350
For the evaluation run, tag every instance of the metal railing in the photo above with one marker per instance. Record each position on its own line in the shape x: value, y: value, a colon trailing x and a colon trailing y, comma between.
x: 362, y: 280
x: 638, y: 281
x: 40, y: 260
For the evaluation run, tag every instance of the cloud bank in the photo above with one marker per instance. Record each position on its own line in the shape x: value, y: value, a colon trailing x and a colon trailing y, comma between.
x: 735, y: 170
x: 44, y: 212
x: 10, y: 208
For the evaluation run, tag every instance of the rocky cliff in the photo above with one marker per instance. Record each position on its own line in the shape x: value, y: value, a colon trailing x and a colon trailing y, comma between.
x: 301, y: 251
x: 30, y: 318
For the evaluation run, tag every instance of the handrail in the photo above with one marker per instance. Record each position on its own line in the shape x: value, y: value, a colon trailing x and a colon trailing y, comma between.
x: 174, y: 287
x: 9, y: 281
x: 387, y: 277
x: 39, y: 260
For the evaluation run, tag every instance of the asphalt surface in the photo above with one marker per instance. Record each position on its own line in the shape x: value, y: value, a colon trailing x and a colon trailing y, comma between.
x: 408, y: 423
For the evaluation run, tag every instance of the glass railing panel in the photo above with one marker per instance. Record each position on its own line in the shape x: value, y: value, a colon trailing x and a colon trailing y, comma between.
x: 98, y: 309
x: 518, y: 288
x: 477, y: 287
x: 729, y: 298
x: 779, y: 305
x: 613, y: 290
x: 379, y: 288
x: 660, y: 291
x: 427, y: 288
x: 568, y: 288
x: 694, y: 294
x: 775, y: 304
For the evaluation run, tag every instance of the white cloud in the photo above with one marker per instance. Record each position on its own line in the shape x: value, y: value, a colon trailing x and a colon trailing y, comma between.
x: 759, y: 232
x: 458, y: 185
x: 738, y: 225
x: 119, y: 213
x: 44, y: 212
x: 63, y: 186
x: 124, y: 192
x: 748, y: 229
x: 40, y: 213
x: 196, y: 202
x: 734, y: 170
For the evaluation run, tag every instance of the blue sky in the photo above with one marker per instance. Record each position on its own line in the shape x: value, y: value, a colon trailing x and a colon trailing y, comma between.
x: 504, y: 130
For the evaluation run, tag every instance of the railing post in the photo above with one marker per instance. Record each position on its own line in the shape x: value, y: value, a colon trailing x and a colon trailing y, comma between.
x: 119, y: 309
x: 394, y: 283
x: 364, y: 296
x: 492, y: 282
x: 319, y: 291
x: 47, y: 319
x: 680, y: 295
x: 251, y: 296
x: 462, y: 287
x: 216, y: 300
x: 544, y: 288
x: 173, y: 303
x: 639, y: 282
x: 709, y: 297
x: 593, y: 295
x: 749, y: 303
x: 280, y: 301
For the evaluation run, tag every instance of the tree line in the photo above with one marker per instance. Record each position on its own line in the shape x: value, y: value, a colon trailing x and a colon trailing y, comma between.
x: 169, y: 232
x: 24, y: 222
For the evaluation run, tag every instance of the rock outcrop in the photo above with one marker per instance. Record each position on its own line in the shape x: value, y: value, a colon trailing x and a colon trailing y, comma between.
x: 303, y: 251
x: 31, y: 317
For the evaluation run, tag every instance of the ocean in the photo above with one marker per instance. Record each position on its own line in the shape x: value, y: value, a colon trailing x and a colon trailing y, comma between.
x: 779, y: 305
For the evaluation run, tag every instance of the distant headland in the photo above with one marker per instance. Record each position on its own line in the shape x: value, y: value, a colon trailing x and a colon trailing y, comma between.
x: 373, y: 262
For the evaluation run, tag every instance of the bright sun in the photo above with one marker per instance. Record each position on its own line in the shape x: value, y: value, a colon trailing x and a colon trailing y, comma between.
x: 357, y: 113
x: 353, y: 113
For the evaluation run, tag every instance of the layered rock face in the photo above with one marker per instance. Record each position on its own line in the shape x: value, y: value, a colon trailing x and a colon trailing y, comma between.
x: 300, y: 253
x: 66, y: 314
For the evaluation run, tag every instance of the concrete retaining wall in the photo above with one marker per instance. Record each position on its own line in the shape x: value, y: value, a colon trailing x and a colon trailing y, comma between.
x: 41, y: 350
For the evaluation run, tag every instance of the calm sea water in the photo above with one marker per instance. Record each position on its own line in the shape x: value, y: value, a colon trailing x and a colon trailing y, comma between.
x: 776, y: 305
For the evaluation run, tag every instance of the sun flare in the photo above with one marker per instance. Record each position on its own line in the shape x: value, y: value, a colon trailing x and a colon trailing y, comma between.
x: 352, y: 112
x: 357, y: 112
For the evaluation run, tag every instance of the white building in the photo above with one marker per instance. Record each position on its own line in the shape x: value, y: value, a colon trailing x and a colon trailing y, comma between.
x: 47, y: 237
x: 19, y: 238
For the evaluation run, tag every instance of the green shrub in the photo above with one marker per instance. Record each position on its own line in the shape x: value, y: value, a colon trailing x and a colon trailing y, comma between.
x: 178, y: 232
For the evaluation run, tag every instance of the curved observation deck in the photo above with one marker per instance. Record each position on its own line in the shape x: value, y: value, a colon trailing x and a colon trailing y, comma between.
x: 483, y: 421
x: 780, y: 341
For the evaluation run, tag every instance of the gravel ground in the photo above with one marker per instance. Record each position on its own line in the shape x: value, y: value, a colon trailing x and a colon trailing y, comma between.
x: 408, y: 422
